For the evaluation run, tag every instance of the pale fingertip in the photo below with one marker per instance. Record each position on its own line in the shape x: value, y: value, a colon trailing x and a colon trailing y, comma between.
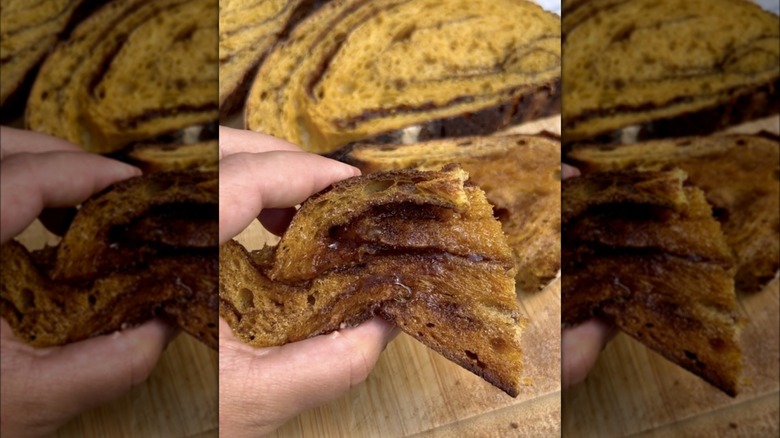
x: 568, y: 171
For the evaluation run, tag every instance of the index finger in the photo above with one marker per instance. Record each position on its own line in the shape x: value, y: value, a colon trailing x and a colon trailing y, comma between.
x: 31, y: 182
x: 580, y: 349
x: 249, y: 183
x: 234, y: 141
x: 16, y: 141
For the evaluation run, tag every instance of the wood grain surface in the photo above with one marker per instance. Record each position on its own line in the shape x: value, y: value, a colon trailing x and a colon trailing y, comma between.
x: 633, y: 391
x: 414, y: 391
x: 178, y: 400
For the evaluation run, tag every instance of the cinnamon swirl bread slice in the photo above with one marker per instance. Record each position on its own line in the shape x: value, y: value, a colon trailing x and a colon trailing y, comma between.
x: 28, y: 30
x: 146, y: 247
x: 673, y: 68
x: 134, y: 70
x: 420, y: 249
x: 641, y: 249
x: 359, y: 69
x: 247, y: 29
x: 739, y: 175
x: 520, y: 175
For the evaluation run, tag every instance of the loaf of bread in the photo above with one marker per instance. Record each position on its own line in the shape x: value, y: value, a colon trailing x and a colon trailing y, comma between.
x: 146, y: 247
x: 359, y: 69
x: 739, y: 176
x: 642, y: 250
x: 672, y: 68
x: 134, y: 70
x: 520, y: 175
x: 28, y: 30
x: 420, y: 249
x: 247, y: 29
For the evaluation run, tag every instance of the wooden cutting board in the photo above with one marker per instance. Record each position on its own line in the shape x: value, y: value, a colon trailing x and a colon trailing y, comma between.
x: 178, y: 400
x: 634, y: 391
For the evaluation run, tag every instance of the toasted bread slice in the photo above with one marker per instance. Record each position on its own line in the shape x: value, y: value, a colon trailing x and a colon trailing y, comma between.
x: 442, y: 284
x: 132, y: 71
x: 520, y: 175
x: 672, y: 68
x: 145, y: 247
x: 657, y: 265
x: 738, y: 174
x: 135, y: 219
x: 355, y: 70
x: 46, y: 312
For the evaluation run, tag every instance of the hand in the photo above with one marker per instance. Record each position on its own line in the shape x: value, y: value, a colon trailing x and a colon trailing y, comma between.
x: 42, y: 388
x: 261, y: 388
x: 581, y: 345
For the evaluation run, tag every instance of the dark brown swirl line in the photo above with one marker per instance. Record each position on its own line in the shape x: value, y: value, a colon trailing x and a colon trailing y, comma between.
x: 254, y: 24
x: 18, y: 30
x: 376, y: 113
x: 733, y: 92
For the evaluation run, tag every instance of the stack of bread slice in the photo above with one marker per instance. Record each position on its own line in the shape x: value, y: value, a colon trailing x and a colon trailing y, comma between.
x: 521, y: 177
x: 643, y: 250
x: 419, y: 248
x: 739, y: 176
x: 146, y: 247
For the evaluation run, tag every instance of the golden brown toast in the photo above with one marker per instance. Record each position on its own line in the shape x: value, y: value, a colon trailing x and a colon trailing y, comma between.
x: 145, y: 247
x: 669, y: 68
x: 739, y: 176
x: 387, y: 244
x: 138, y: 218
x: 356, y: 70
x: 520, y: 175
x: 656, y: 264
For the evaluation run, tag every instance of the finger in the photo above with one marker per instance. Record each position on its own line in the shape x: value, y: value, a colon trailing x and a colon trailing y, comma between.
x: 234, y: 141
x: 276, y: 220
x: 16, y: 141
x: 73, y: 376
x: 31, y: 182
x: 581, y: 346
x: 249, y: 183
x: 288, y: 380
x: 568, y: 171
